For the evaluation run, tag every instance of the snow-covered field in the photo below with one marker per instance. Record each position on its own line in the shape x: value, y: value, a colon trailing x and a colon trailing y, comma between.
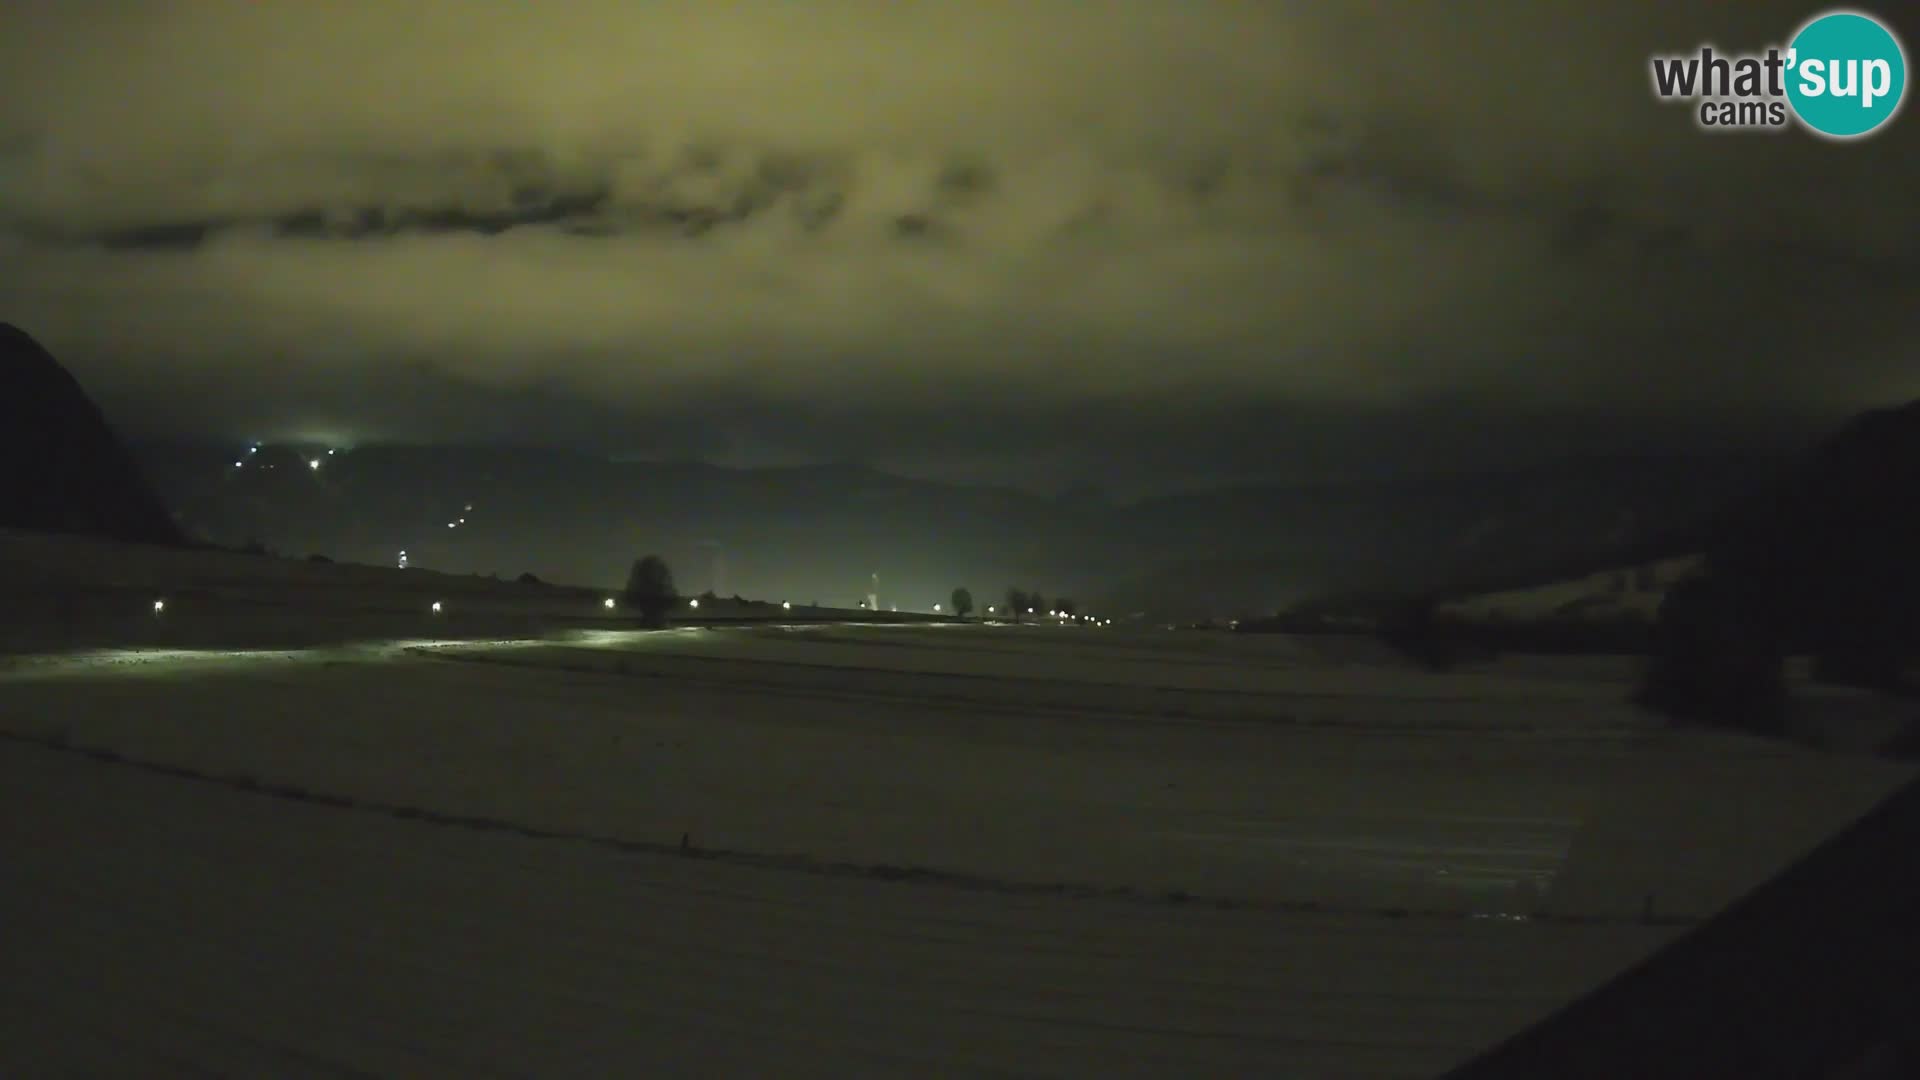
x: 160, y: 927
x: 846, y: 849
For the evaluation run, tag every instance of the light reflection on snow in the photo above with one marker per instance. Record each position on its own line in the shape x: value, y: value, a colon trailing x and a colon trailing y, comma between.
x: 157, y: 659
x: 95, y: 661
x: 609, y: 639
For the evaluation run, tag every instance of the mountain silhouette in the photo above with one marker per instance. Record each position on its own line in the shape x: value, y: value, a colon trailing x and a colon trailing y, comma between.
x: 62, y: 469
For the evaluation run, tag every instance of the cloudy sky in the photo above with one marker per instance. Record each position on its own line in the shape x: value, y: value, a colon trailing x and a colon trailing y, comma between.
x: 1148, y: 241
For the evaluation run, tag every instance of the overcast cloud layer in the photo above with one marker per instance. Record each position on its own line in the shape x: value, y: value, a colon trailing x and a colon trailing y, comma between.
x: 1133, y: 237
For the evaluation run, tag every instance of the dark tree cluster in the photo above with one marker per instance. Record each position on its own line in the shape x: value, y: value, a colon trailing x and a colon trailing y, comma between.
x: 650, y: 590
x: 1825, y: 565
x: 1023, y: 602
x: 1716, y: 659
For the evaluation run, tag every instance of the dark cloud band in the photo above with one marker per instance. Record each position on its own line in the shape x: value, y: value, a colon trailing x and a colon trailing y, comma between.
x: 957, y: 233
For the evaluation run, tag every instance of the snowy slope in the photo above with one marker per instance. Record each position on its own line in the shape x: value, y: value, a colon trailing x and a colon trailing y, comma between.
x: 1630, y: 592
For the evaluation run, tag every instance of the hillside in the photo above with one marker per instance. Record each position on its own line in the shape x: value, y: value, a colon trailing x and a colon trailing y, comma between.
x: 62, y: 468
x: 1627, y: 592
x: 1818, y: 560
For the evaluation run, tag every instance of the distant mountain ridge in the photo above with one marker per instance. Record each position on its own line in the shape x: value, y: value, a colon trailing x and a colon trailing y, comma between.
x: 819, y: 532
x: 62, y: 468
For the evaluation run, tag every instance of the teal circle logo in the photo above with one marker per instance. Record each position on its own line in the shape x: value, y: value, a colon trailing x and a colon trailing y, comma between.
x: 1847, y: 74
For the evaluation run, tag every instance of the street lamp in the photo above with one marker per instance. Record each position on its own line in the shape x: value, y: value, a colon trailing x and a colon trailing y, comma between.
x: 607, y: 603
x: 436, y: 607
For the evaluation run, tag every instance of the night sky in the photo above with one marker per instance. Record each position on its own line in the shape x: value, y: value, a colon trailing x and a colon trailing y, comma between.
x: 1147, y: 243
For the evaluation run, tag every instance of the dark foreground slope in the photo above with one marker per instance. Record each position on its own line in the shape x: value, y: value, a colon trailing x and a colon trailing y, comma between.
x: 62, y: 469
x: 1816, y: 974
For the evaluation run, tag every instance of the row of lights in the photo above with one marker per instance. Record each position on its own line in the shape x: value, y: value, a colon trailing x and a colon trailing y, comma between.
x: 694, y: 602
x: 1089, y: 619
x: 439, y: 607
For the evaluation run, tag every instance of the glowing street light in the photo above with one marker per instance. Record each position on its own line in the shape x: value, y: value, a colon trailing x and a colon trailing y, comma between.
x: 159, y: 606
x: 607, y: 603
x: 436, y: 607
x: 989, y: 609
x: 936, y: 609
x: 314, y: 465
x: 694, y: 603
x: 786, y: 605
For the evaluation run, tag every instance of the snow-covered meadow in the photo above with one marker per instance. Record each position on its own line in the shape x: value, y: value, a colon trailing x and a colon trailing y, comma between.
x: 1266, y: 770
x: 1031, y: 848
